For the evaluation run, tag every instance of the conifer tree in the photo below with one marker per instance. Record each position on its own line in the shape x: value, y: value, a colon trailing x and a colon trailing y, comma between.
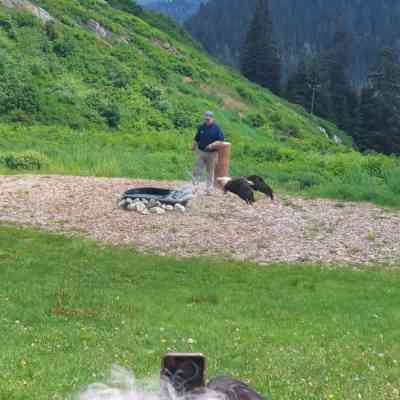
x: 337, y: 60
x: 380, y: 106
x: 368, y: 136
x: 260, y: 61
x: 298, y: 87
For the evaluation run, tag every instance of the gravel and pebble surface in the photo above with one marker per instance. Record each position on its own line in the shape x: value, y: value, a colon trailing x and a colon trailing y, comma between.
x: 289, y: 229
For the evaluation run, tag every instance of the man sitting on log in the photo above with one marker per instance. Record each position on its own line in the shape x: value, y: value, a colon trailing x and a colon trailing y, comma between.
x: 208, y: 136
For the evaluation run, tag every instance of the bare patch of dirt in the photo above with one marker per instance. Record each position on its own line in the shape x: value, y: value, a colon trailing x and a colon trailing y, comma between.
x: 294, y: 230
x: 230, y: 102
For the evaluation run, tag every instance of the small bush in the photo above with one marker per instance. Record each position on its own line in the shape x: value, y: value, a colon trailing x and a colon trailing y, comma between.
x: 112, y: 115
x: 275, y: 119
x: 183, y: 69
x: 52, y: 30
x: 245, y: 94
x: 27, y: 160
x: 308, y: 180
x: 256, y: 120
x: 161, y: 72
x: 25, y: 19
x: 6, y: 23
x: 64, y: 46
x: 153, y: 93
x: 377, y: 165
x: 182, y: 119
x: 392, y: 180
x: 17, y: 93
x: 119, y: 75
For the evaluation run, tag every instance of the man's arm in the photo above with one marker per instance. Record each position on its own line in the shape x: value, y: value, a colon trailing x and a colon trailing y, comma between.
x: 196, y: 140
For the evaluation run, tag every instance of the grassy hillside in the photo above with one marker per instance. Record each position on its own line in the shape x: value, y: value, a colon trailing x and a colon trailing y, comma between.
x: 70, y: 309
x: 126, y: 103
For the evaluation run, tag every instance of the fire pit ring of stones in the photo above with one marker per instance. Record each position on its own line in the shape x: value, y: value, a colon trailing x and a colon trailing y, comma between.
x: 155, y: 200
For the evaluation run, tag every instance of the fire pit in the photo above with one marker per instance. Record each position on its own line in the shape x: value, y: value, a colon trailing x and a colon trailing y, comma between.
x: 164, y: 196
x: 155, y: 200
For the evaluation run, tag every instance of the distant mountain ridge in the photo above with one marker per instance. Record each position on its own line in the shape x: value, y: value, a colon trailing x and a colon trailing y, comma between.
x: 221, y: 25
x: 179, y: 10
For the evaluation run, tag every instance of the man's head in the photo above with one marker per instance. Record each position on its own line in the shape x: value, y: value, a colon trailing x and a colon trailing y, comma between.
x: 209, y: 118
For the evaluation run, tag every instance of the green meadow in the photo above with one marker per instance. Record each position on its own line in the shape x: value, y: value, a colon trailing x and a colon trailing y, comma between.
x: 71, y: 308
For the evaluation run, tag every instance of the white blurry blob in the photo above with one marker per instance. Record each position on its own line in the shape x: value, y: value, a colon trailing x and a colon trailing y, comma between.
x: 122, y: 385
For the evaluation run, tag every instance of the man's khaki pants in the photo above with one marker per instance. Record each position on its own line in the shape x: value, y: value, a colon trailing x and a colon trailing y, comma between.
x: 205, y: 161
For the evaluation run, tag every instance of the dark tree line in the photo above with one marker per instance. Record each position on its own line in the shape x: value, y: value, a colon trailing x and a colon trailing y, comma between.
x: 370, y: 114
x: 379, y: 107
x: 260, y: 60
x: 302, y: 27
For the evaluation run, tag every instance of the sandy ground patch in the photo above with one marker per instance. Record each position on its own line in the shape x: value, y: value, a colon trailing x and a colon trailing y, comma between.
x: 287, y: 230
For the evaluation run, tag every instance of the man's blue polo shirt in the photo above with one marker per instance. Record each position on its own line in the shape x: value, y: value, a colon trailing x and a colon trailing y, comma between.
x: 208, y: 134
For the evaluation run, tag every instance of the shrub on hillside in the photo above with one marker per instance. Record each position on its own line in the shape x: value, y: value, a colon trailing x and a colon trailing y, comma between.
x: 52, y: 30
x: 25, y: 19
x: 341, y: 164
x: 255, y: 120
x: 65, y: 45
x: 27, y: 160
x: 182, y: 119
x: 17, y: 92
x: 377, y: 164
x: 268, y: 153
x: 308, y: 180
x: 112, y: 115
x: 161, y: 72
x: 246, y: 94
x: 119, y: 75
x: 6, y: 22
x: 106, y: 107
x: 183, y: 69
x: 153, y: 93
x: 392, y: 180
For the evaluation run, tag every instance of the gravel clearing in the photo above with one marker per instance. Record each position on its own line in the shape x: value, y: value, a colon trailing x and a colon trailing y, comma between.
x: 287, y: 230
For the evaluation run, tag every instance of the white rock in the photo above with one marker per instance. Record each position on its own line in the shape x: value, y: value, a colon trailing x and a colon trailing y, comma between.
x: 157, y: 210
x: 168, y: 207
x: 337, y: 139
x: 180, y: 208
x: 140, y: 207
x: 136, y: 206
x: 129, y: 201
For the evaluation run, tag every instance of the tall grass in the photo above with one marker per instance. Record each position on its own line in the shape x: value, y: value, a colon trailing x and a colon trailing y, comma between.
x: 349, y: 178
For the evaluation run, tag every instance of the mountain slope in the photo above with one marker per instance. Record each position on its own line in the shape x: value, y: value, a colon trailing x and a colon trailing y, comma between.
x: 180, y: 10
x: 105, y: 88
x: 301, y: 28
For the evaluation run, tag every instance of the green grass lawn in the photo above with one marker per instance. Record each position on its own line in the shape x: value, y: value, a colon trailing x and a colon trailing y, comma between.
x: 69, y: 309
